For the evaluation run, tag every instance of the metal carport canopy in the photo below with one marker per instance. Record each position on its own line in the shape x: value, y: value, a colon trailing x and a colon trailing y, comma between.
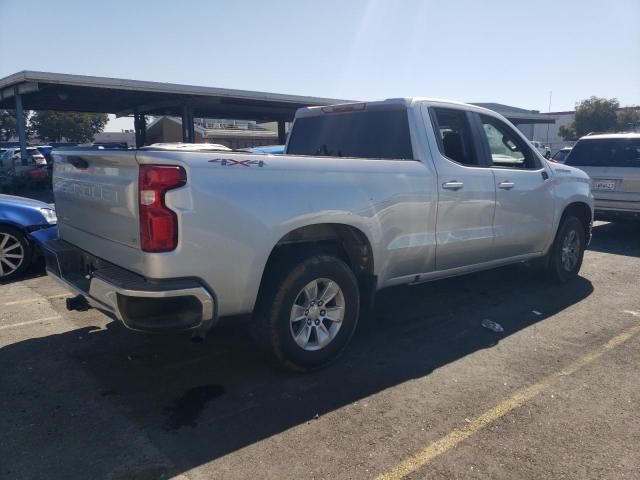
x: 80, y: 93
x: 32, y: 90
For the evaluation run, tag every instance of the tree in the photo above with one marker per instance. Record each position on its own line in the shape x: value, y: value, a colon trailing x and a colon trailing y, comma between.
x: 8, y: 125
x: 596, y: 115
x: 568, y: 132
x: 53, y: 126
x: 592, y: 115
x: 628, y: 119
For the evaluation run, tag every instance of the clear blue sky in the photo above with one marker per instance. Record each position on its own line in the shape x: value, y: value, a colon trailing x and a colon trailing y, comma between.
x: 512, y: 52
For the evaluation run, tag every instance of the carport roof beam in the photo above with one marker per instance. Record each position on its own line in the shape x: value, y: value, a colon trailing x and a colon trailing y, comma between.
x: 81, y: 93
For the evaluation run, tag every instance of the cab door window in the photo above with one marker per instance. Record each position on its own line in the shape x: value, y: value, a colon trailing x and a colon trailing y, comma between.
x: 453, y: 133
x: 506, y: 148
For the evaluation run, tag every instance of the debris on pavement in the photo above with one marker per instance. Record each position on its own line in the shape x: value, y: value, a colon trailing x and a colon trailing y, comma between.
x: 491, y: 325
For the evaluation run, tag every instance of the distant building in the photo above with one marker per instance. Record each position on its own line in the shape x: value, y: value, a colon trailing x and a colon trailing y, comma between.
x: 525, y: 120
x: 126, y: 136
x: 231, y: 133
x: 169, y: 129
x: 239, y: 133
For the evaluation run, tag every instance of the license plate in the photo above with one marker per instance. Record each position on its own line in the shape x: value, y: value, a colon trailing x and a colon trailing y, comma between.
x: 603, y: 185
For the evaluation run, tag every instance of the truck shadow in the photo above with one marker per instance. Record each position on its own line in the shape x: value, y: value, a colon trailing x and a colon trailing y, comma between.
x: 199, y: 402
x: 618, y: 238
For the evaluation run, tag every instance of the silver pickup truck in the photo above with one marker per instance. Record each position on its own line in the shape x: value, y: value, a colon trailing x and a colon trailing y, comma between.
x: 368, y: 195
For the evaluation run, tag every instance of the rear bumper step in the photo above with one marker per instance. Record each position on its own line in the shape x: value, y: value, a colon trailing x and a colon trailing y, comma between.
x: 141, y: 304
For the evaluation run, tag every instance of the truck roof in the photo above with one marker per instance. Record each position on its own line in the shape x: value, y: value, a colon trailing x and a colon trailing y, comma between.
x: 389, y: 103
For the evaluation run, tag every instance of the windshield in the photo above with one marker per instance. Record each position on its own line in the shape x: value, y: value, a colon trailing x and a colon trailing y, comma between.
x: 372, y: 134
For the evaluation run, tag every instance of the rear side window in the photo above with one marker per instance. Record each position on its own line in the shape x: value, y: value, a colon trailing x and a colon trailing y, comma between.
x: 366, y: 134
x: 606, y: 152
x: 454, y: 136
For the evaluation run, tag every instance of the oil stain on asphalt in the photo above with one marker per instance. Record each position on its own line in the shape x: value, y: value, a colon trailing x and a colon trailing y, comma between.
x: 186, y: 409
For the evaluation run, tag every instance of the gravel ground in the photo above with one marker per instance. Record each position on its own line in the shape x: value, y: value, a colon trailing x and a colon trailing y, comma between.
x: 82, y: 397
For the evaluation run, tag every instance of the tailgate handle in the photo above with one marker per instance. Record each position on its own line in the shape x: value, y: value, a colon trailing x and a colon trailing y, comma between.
x: 78, y: 162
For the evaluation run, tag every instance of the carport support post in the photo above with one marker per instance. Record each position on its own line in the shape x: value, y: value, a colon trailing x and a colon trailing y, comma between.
x: 140, y: 127
x: 188, y: 130
x: 143, y: 129
x: 192, y: 129
x: 22, y: 136
x: 282, y: 134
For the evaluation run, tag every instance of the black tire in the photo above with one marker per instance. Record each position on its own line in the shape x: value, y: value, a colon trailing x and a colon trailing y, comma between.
x: 282, y: 290
x: 571, y: 227
x: 26, y: 250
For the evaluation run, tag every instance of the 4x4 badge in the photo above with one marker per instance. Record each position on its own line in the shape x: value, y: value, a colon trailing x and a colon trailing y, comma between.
x: 230, y: 162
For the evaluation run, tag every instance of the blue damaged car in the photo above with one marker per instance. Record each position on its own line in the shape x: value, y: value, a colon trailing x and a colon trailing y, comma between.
x: 24, y: 225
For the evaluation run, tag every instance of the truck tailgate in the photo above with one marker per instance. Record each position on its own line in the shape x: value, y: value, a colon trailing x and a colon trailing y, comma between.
x: 96, y: 196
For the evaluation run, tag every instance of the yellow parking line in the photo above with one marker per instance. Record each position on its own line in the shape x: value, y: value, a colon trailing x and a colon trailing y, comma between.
x: 424, y: 456
x: 30, y: 322
x: 30, y: 300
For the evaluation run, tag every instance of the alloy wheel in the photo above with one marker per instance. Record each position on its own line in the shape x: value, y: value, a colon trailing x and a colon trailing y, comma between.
x: 317, y: 314
x: 570, y: 250
x: 11, y: 254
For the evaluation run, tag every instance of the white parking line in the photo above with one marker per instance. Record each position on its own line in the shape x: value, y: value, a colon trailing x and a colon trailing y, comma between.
x: 30, y: 322
x: 30, y: 300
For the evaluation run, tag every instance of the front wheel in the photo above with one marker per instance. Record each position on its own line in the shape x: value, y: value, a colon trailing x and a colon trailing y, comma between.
x: 567, y: 251
x: 309, y: 311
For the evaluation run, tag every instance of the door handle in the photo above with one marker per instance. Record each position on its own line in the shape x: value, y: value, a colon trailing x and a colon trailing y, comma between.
x: 506, y: 185
x: 454, y: 185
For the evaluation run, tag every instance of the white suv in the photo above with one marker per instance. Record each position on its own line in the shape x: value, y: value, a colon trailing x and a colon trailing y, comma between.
x: 613, y: 163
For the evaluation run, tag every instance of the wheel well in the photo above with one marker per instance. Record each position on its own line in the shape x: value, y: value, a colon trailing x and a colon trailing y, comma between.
x: 344, y: 241
x: 582, y: 211
x: 19, y: 228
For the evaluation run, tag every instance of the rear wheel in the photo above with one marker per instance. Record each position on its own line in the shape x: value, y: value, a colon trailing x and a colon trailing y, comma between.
x: 15, y: 253
x: 566, y: 254
x: 309, y: 311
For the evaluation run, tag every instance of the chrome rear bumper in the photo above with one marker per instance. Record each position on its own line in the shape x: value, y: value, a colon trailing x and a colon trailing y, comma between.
x: 141, y: 304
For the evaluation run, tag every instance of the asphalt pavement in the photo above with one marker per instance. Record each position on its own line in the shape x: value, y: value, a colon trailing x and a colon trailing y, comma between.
x: 424, y: 391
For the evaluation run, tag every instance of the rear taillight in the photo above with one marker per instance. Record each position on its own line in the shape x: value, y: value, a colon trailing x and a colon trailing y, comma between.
x: 158, y: 224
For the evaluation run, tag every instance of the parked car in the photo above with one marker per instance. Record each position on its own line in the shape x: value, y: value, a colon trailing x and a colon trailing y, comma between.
x: 189, y: 147
x: 46, y: 151
x: 368, y: 195
x: 561, y: 155
x: 13, y: 173
x: 613, y: 163
x: 20, y: 220
x: 270, y: 149
x: 542, y: 148
x: 33, y: 154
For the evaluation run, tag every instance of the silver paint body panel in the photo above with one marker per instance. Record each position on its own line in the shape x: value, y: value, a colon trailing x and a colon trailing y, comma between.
x: 231, y: 215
